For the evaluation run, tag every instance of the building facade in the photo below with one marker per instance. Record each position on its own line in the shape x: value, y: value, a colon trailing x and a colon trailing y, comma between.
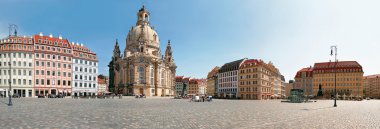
x: 257, y: 80
x: 85, y: 71
x: 17, y: 52
x: 349, y: 79
x: 142, y: 69
x: 182, y: 85
x: 372, y: 86
x: 228, y: 79
x: 212, y: 81
x: 102, y: 84
x: 283, y: 87
x: 40, y: 65
x: 288, y: 87
x: 304, y: 81
x: 53, y: 65
x: 197, y: 87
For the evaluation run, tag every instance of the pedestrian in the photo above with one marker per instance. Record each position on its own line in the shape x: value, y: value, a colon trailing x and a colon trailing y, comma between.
x: 203, y: 98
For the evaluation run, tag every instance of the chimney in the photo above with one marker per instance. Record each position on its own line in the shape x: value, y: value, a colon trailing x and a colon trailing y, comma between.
x: 77, y: 44
x: 60, y: 37
x: 81, y: 44
x: 41, y: 34
x: 51, y: 35
x: 72, y: 43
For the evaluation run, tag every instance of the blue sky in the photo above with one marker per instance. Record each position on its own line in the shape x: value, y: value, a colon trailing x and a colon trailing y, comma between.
x: 208, y: 33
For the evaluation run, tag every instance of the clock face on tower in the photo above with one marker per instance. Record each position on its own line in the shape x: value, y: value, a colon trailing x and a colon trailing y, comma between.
x: 141, y: 43
x: 141, y: 60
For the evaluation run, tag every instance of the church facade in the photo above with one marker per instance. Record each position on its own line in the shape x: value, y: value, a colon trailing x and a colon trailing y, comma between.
x: 142, y: 68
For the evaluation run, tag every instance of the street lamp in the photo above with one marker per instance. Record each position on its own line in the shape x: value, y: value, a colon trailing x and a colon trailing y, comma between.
x: 336, y: 61
x: 10, y: 80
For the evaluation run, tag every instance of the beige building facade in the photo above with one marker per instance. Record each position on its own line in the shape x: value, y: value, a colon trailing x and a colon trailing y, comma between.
x: 212, y: 78
x: 304, y: 81
x: 257, y: 80
x: 372, y: 86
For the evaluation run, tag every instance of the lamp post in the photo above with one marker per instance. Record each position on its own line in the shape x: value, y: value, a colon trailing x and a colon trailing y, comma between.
x: 10, y: 81
x: 336, y: 61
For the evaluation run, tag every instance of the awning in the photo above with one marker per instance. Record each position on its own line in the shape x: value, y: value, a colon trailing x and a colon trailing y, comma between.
x: 2, y: 90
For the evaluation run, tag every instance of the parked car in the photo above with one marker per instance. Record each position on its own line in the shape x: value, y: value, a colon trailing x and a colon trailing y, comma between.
x: 41, y: 96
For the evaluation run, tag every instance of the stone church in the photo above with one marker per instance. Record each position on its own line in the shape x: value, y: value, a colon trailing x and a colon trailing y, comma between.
x: 142, y: 68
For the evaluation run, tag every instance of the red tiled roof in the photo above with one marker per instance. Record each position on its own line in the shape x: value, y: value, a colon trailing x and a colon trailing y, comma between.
x: 179, y: 78
x: 340, y: 66
x: 373, y: 76
x: 213, y: 72
x: 52, y: 41
x: 101, y: 81
x: 250, y: 61
x: 308, y: 72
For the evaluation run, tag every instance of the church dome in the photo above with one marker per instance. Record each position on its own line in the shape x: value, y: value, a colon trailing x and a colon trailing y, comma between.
x: 143, y: 33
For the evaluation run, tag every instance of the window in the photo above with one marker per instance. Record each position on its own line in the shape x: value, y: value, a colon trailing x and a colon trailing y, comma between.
x: 37, y: 72
x: 48, y: 82
x: 37, y: 81
x: 42, y: 82
x: 141, y: 75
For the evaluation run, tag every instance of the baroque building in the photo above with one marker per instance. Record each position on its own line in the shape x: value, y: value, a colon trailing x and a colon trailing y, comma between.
x: 304, y: 81
x: 212, y: 81
x: 349, y: 79
x: 142, y: 69
x: 372, y: 86
x: 43, y: 65
x: 259, y: 80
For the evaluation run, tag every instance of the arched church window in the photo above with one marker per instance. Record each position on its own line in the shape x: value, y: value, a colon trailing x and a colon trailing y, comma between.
x: 152, y: 76
x: 141, y: 75
x: 131, y: 75
x: 142, y: 49
x: 163, y: 77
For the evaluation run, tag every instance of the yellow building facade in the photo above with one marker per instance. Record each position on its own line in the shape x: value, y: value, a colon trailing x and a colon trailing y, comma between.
x: 349, y: 79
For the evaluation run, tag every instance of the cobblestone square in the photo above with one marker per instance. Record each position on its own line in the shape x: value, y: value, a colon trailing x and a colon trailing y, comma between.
x: 168, y: 113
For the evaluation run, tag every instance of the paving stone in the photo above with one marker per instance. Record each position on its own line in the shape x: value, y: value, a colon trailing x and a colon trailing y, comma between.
x: 164, y: 113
